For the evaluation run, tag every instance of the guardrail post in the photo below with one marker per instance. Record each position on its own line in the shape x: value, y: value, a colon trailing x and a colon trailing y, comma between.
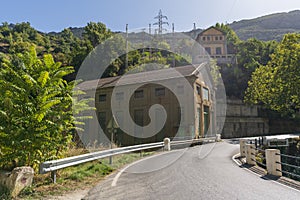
x: 273, y: 161
x: 250, y: 154
x: 218, y: 137
x: 53, y: 176
x: 243, y: 148
x: 167, y: 144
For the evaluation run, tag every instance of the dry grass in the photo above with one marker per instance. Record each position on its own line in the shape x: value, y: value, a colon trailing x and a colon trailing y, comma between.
x: 83, y: 176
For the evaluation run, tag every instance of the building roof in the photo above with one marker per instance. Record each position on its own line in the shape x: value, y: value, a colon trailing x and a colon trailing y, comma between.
x: 212, y: 27
x: 142, y: 77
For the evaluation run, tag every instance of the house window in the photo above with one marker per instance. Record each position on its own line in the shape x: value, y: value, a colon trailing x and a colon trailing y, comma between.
x: 204, y: 38
x: 139, y: 94
x: 102, y: 119
x: 198, y: 88
x: 180, y: 89
x: 159, y: 92
x: 216, y: 38
x: 205, y: 94
x: 221, y: 38
x: 208, y: 38
x: 207, y: 49
x: 218, y: 51
x: 119, y: 96
x: 102, y: 97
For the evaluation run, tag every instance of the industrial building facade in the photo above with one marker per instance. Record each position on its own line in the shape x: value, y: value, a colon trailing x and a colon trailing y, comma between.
x: 189, y: 107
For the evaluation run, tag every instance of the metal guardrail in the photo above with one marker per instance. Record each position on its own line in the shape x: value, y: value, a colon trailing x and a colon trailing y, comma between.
x: 54, y: 165
x: 272, y: 160
x: 288, y: 165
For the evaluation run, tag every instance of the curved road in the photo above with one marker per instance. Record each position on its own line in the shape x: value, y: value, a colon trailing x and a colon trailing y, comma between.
x: 200, y: 172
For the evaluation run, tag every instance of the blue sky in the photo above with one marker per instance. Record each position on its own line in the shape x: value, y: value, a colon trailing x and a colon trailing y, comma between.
x: 54, y: 15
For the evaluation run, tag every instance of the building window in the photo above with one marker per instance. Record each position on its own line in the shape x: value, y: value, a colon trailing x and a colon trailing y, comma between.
x: 204, y: 38
x: 198, y: 88
x: 205, y: 94
x: 221, y: 38
x: 102, y: 97
x: 102, y: 119
x: 208, y: 38
x: 207, y: 49
x: 180, y: 115
x: 216, y: 38
x: 139, y: 94
x: 119, y: 118
x: 218, y: 51
x: 160, y: 92
x: 139, y: 117
x: 180, y: 89
x: 119, y: 96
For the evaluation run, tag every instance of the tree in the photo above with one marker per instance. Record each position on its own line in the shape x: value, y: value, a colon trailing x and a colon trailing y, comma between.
x: 96, y: 33
x: 36, y: 117
x: 276, y: 85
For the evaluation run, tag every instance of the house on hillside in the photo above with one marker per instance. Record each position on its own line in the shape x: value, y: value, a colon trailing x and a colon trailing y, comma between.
x: 184, y: 93
x: 214, y: 42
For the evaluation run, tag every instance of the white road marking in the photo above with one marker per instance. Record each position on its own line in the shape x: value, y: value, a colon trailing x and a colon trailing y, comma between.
x: 116, y: 178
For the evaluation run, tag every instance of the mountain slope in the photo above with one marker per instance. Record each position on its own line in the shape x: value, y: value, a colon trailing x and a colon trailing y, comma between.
x: 269, y: 27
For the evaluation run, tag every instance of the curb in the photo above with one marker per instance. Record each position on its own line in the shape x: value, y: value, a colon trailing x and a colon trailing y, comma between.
x: 262, y: 173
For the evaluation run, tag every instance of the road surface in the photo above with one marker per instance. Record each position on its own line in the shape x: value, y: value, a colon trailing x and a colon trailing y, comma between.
x: 200, y: 172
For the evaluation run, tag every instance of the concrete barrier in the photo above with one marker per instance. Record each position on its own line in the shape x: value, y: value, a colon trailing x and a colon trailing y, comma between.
x: 273, y: 161
x: 250, y: 154
x: 16, y: 180
x: 167, y: 144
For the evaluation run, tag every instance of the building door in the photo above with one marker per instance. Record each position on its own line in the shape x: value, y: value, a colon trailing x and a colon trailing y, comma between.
x: 199, y: 122
x: 206, y: 119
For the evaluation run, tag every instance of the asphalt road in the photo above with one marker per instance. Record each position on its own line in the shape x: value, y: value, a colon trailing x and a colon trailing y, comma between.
x: 200, y: 172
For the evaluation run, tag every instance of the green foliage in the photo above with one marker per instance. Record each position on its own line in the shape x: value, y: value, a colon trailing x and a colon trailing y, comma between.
x: 96, y: 33
x: 276, y: 84
x: 36, y: 119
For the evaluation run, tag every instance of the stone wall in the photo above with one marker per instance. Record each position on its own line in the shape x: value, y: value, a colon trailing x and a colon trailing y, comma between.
x: 247, y: 121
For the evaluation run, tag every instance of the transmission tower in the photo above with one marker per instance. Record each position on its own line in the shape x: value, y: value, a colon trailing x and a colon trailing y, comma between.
x: 160, y: 22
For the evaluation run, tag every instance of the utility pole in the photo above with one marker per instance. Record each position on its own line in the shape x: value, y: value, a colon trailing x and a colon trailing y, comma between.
x: 173, y: 34
x: 194, y: 34
x: 160, y: 22
x: 126, y: 56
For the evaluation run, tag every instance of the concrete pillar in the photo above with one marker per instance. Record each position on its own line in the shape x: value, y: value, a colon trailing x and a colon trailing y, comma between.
x: 264, y: 142
x: 167, y: 144
x: 218, y: 137
x: 250, y: 154
x: 273, y: 159
x: 243, y: 148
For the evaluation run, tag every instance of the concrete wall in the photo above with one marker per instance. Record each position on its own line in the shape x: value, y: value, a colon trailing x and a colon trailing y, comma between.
x: 244, y: 120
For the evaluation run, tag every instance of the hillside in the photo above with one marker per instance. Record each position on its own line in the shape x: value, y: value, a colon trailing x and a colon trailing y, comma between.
x: 269, y: 27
